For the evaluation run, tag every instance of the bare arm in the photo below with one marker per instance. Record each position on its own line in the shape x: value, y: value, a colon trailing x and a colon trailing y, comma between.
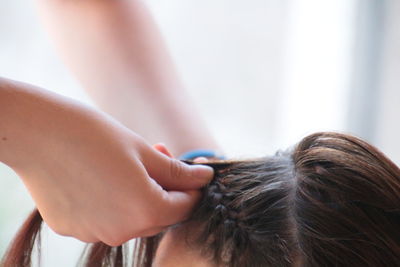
x: 89, y: 176
x: 117, y: 52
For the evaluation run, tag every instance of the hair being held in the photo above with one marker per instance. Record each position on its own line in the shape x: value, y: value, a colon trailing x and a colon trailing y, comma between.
x: 333, y: 200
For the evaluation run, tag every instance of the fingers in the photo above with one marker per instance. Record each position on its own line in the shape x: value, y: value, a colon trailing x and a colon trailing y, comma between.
x: 178, y: 206
x: 178, y: 194
x: 173, y: 208
x: 173, y: 174
x: 152, y: 232
x: 163, y: 149
x: 201, y: 160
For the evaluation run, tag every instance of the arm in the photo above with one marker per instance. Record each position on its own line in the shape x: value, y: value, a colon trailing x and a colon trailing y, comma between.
x: 118, y: 54
x: 91, y: 177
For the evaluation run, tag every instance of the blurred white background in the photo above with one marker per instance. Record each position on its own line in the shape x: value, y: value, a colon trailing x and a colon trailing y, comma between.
x: 264, y: 73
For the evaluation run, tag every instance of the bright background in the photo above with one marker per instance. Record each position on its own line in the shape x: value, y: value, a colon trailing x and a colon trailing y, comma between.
x: 264, y: 73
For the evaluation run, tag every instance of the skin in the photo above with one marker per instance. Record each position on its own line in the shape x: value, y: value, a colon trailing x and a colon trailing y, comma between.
x: 117, y: 52
x: 175, y: 249
x: 90, y: 176
x: 65, y: 153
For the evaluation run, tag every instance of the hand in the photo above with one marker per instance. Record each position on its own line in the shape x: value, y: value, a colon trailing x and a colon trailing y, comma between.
x: 92, y: 178
x: 102, y: 189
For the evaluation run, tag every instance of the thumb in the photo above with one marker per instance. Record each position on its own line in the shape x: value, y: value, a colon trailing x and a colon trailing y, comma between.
x: 173, y: 174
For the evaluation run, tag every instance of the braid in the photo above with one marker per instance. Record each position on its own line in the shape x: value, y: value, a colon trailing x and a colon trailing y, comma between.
x: 222, y: 199
x: 243, y: 218
x: 227, y: 222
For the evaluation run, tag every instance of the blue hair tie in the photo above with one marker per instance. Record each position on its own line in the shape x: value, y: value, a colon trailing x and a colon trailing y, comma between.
x: 207, y: 153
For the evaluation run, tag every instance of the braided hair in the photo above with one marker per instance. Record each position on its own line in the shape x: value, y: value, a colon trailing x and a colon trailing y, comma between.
x: 332, y: 201
x: 245, y: 208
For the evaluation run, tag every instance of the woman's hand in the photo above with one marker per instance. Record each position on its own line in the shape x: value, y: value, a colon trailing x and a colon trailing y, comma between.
x: 90, y: 177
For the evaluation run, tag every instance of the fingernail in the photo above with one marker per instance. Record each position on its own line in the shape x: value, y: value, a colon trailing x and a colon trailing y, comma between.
x: 202, y: 172
x: 200, y: 160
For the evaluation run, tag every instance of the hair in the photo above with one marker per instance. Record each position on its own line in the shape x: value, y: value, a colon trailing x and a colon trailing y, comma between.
x: 333, y: 200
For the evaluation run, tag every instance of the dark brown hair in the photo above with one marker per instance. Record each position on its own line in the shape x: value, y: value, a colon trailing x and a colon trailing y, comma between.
x: 334, y: 200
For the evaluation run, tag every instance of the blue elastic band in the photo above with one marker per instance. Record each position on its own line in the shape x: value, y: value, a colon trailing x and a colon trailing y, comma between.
x: 208, y: 153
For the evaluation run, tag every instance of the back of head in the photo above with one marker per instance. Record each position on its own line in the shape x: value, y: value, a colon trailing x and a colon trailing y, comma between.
x: 332, y: 201
x: 244, y: 218
x: 347, y: 203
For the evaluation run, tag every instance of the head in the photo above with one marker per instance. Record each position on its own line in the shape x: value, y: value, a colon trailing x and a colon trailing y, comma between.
x: 333, y: 200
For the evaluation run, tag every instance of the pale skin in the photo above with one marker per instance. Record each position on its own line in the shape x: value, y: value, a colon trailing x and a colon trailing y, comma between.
x: 176, y: 248
x: 90, y: 176
x: 65, y: 153
x: 174, y: 251
x: 117, y: 52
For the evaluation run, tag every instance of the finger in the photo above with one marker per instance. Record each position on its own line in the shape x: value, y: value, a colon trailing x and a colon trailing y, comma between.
x: 87, y: 239
x: 173, y: 174
x: 201, y: 160
x: 152, y: 231
x: 163, y: 149
x: 178, y: 206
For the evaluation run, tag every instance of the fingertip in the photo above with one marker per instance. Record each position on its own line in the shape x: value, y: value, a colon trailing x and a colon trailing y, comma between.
x: 202, y: 172
x: 201, y: 160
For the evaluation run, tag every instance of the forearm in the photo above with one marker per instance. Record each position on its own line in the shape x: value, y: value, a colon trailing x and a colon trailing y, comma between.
x: 33, y: 121
x: 21, y: 117
x: 89, y: 175
x: 117, y: 52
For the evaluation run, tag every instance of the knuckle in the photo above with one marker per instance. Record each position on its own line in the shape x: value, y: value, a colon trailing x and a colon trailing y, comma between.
x: 114, y: 240
x: 175, y: 169
x: 61, y: 231
x: 87, y: 239
x: 153, y: 217
x: 152, y: 232
x: 59, y: 228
